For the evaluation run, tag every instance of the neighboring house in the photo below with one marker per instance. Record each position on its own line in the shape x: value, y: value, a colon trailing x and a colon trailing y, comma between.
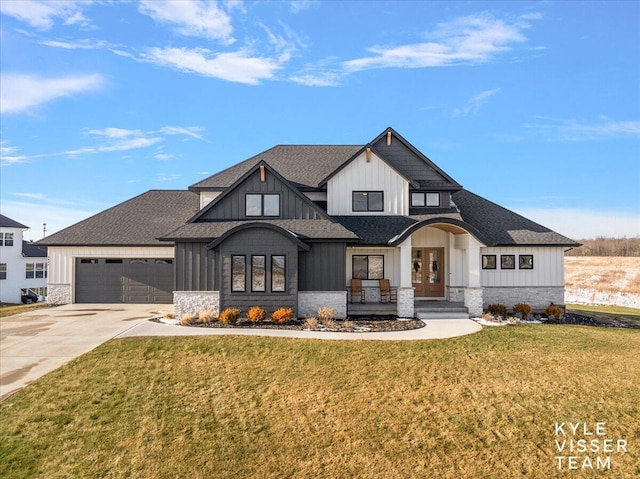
x: 23, y: 265
x: 293, y: 225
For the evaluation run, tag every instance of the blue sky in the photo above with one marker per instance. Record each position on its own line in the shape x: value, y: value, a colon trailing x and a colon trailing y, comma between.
x: 533, y: 105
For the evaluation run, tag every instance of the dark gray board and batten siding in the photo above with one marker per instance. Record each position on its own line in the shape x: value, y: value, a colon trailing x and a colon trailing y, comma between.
x: 292, y: 204
x: 323, y: 267
x: 263, y: 242
x: 196, y: 267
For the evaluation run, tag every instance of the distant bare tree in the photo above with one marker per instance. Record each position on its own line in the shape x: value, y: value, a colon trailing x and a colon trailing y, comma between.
x: 602, y: 246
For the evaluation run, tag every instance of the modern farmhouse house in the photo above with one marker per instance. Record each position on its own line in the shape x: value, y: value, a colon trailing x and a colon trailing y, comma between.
x: 305, y: 226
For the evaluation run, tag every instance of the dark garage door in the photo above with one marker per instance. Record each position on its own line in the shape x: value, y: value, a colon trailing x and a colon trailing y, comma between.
x: 100, y: 280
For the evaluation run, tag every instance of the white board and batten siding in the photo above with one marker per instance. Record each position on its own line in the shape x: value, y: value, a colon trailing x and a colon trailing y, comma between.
x: 62, y: 258
x: 548, y: 267
x: 360, y: 175
x: 207, y: 197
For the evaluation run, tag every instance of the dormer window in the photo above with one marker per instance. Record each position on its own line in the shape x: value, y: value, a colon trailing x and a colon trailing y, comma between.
x: 262, y: 204
x: 425, y: 199
x: 368, y: 201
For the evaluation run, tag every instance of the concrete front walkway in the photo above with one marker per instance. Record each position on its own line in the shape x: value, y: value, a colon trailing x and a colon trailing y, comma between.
x: 434, y: 329
x: 35, y: 343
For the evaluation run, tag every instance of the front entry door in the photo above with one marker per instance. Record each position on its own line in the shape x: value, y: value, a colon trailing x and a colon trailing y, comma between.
x: 427, y: 272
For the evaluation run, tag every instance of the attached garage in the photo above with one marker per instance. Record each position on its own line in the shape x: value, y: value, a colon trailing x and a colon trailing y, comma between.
x: 124, y: 280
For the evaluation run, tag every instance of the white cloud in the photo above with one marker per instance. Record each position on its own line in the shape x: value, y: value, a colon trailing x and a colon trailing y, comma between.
x: 584, y: 224
x: 472, y: 39
x: 22, y: 92
x: 195, y: 18
x: 573, y: 130
x: 192, y: 131
x: 41, y: 15
x: 120, y: 145
x: 116, y: 132
x: 236, y: 66
x: 8, y: 155
x: 298, y: 6
x: 84, y: 44
x: 168, y: 177
x: 326, y: 78
x: 475, y: 103
x: 33, y: 196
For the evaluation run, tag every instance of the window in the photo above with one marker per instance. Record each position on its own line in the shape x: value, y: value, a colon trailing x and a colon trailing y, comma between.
x: 88, y: 261
x: 6, y: 239
x: 262, y: 204
x: 507, y: 261
x: 525, y: 261
x: 258, y: 273
x: 367, y: 266
x: 278, y: 275
x: 368, y: 201
x: 36, y: 270
x: 3, y: 270
x: 488, y: 261
x: 425, y: 199
x: 113, y: 261
x: 417, y: 199
x: 433, y: 199
x: 238, y: 274
x: 164, y: 261
x: 138, y: 261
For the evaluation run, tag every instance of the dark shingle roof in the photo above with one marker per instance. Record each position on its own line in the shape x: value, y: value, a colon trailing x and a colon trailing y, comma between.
x: 31, y: 250
x: 138, y: 221
x: 503, y: 227
x: 6, y: 222
x: 304, y: 166
x: 375, y: 230
x: 305, y: 229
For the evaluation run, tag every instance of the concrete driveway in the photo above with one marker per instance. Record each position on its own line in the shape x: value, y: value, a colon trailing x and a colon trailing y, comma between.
x: 35, y: 343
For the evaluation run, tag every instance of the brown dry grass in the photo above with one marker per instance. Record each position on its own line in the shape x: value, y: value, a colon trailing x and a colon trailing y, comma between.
x: 603, y: 273
x: 480, y: 406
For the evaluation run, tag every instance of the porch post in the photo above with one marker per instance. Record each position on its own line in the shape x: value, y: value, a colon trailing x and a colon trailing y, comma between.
x: 473, y: 292
x: 405, y: 290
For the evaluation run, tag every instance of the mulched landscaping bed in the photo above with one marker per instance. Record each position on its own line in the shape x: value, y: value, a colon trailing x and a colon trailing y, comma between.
x: 361, y: 325
x: 584, y: 320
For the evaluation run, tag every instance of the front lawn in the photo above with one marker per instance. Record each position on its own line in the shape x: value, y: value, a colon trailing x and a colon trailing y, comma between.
x: 483, y: 405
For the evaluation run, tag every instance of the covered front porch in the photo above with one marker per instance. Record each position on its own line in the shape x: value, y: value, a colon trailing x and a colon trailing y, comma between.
x: 434, y: 267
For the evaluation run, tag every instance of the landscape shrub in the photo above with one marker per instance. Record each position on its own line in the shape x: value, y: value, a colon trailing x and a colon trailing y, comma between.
x: 348, y: 325
x: 282, y: 315
x: 513, y: 320
x: 230, y: 316
x: 523, y: 309
x: 168, y: 315
x: 497, y: 310
x: 310, y: 323
x: 187, y: 318
x: 555, y: 311
x: 206, y: 316
x: 256, y: 314
x: 490, y: 317
x: 326, y: 313
x: 330, y: 324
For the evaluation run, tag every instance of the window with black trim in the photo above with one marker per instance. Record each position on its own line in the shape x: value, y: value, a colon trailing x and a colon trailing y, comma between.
x: 425, y: 199
x: 368, y: 201
x: 238, y: 273
x: 367, y: 266
x: 525, y: 261
x: 258, y: 273
x: 36, y: 270
x: 3, y: 270
x: 507, y: 261
x: 278, y: 274
x: 262, y: 204
x: 6, y: 239
x: 89, y: 261
x: 488, y: 261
